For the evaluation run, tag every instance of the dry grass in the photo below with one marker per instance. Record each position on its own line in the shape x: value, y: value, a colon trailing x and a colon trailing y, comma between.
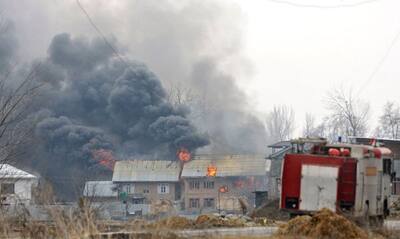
x: 82, y: 222
x: 72, y: 223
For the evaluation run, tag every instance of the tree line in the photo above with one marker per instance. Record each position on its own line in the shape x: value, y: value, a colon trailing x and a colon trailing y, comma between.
x: 348, y: 115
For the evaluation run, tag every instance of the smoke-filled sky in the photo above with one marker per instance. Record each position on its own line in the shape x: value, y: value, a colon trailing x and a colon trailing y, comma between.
x: 241, y: 56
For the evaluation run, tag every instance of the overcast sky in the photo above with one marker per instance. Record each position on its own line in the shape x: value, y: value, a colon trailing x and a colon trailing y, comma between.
x: 300, y: 53
x: 289, y: 54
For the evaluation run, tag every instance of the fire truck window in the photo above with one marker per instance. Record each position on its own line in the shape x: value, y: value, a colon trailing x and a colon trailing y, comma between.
x: 387, y: 166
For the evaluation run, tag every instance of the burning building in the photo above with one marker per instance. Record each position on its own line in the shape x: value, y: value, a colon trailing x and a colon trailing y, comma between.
x: 143, y: 184
x: 223, y: 182
x: 200, y: 183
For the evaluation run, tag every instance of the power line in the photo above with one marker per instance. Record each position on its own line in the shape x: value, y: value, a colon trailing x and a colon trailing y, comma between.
x: 348, y: 5
x: 380, y: 62
x: 355, y: 4
x: 102, y: 35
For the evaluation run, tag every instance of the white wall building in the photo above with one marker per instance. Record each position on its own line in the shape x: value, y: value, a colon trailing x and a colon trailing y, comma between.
x: 16, y: 185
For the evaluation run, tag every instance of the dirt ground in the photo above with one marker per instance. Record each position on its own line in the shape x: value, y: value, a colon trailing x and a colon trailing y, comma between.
x: 270, y: 210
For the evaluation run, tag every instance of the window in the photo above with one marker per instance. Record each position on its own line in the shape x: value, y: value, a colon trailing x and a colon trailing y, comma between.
x: 209, y: 185
x: 138, y: 201
x: 209, y: 202
x: 7, y: 188
x: 194, y: 203
x: 163, y: 188
x: 128, y: 188
x: 194, y: 185
x: 146, y: 190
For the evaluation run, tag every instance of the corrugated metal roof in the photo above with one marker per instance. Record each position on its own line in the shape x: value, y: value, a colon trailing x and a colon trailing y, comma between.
x: 280, y: 144
x: 279, y: 154
x: 100, y: 189
x: 146, y: 171
x: 227, y: 165
x: 8, y: 171
x: 368, y: 139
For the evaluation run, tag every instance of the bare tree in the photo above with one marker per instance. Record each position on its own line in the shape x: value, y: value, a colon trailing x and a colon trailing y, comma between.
x: 309, y: 125
x: 313, y: 129
x: 348, y: 114
x: 183, y: 96
x: 15, y: 100
x: 16, y: 92
x: 280, y: 123
x: 179, y: 95
x: 389, y: 122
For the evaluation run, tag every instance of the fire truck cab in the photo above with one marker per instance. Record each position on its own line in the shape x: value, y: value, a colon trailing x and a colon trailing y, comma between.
x: 347, y: 178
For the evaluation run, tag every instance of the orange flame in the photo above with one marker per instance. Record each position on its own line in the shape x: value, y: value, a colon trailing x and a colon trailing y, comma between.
x: 223, y: 189
x: 104, y: 157
x: 211, y: 171
x: 239, y: 183
x: 184, y: 155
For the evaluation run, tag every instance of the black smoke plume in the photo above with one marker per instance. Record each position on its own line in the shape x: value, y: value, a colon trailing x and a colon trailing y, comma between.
x: 196, y: 47
x: 94, y: 101
x: 8, y: 45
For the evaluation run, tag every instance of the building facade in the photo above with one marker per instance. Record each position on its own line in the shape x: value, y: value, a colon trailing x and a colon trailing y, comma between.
x: 148, y: 186
x: 16, y: 185
x: 231, y: 188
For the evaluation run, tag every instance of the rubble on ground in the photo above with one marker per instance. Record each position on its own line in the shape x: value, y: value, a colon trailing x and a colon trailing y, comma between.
x: 324, y: 224
x: 270, y: 210
x: 174, y: 223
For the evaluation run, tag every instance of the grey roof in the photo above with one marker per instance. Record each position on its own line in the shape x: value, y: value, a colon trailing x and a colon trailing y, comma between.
x: 227, y: 165
x: 280, y: 153
x: 100, y: 189
x: 146, y: 171
x: 8, y: 171
x: 368, y: 139
x: 280, y: 144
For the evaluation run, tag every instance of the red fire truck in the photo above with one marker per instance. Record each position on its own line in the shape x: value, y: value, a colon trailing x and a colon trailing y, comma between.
x: 342, y: 177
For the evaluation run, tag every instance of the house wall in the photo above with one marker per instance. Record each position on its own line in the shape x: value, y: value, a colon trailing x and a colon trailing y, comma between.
x: 22, y: 190
x: 238, y: 187
x: 150, y: 190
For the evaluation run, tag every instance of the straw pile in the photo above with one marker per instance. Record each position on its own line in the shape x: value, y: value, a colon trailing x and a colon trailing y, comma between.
x: 324, y: 224
x: 174, y: 222
x: 209, y: 221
